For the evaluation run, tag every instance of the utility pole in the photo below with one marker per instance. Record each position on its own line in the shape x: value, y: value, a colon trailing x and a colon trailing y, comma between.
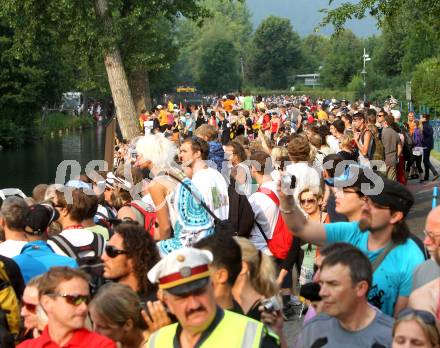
x: 242, y: 68
x: 366, y: 58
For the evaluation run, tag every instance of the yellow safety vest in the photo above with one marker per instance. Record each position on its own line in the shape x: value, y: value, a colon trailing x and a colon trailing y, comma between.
x: 233, y: 331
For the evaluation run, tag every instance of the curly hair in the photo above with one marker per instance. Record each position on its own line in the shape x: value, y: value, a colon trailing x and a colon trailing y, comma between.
x: 142, y: 250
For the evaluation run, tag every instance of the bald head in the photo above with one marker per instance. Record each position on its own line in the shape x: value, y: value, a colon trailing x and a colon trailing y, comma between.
x: 432, y: 231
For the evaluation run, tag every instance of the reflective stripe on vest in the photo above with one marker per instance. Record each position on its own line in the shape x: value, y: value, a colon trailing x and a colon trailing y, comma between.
x: 234, y: 330
x: 250, y: 334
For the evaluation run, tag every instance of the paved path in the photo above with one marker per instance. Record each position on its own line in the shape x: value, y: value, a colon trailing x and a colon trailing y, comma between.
x: 416, y: 222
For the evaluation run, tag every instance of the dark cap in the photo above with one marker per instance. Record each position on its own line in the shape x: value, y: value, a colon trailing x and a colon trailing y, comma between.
x: 379, y: 188
x: 394, y: 195
x: 40, y: 216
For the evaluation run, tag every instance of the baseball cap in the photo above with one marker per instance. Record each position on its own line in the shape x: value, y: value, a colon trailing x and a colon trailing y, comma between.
x: 393, y: 195
x: 183, y: 271
x: 39, y: 217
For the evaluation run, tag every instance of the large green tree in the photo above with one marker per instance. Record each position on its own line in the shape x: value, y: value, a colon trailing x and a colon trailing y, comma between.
x: 218, y: 67
x: 426, y: 83
x: 343, y: 61
x: 275, y: 53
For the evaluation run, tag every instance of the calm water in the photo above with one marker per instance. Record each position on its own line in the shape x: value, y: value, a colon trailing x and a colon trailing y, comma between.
x: 28, y: 166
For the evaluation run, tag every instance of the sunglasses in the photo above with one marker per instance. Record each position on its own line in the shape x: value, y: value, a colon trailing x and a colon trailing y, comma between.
x: 112, y: 252
x: 29, y: 306
x: 308, y: 201
x: 426, y: 316
x: 74, y: 300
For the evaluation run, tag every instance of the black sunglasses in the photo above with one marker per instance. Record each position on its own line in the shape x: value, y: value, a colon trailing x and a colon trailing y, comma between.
x: 112, y: 252
x: 74, y: 300
x: 29, y: 306
x: 426, y: 316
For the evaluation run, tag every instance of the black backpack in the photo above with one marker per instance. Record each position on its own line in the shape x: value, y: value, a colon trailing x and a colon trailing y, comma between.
x: 241, y: 215
x: 6, y: 338
x: 92, y: 265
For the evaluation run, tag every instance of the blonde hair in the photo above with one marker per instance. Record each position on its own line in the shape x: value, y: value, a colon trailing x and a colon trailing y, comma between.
x: 261, y: 268
x: 346, y: 141
x: 430, y: 331
x: 278, y: 152
x: 157, y: 149
x: 315, y: 190
x: 208, y: 131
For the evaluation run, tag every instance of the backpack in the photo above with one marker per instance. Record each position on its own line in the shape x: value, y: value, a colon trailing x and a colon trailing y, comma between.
x: 92, y: 265
x: 9, y: 307
x: 241, y: 215
x: 377, y: 152
x: 145, y: 212
x: 282, y: 239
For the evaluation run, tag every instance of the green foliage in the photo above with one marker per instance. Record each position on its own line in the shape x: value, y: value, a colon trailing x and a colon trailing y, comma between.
x: 343, y: 60
x: 275, y: 52
x: 314, y: 49
x: 426, y: 83
x: 53, y: 122
x: 229, y: 20
x: 357, y: 86
x: 218, y: 67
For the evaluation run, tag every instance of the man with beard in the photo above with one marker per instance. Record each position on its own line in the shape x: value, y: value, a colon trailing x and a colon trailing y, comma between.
x: 382, y: 234
x: 183, y: 277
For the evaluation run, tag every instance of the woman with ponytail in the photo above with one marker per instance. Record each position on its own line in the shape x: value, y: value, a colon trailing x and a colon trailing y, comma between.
x: 256, y: 281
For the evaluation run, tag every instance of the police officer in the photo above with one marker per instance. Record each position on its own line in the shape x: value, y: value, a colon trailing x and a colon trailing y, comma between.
x: 184, y: 285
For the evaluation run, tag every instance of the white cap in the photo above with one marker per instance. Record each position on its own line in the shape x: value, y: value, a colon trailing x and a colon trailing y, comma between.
x: 396, y: 114
x: 159, y: 106
x: 182, y: 271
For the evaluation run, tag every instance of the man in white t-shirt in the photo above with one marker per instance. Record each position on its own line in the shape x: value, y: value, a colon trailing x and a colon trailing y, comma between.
x: 265, y: 210
x: 299, y: 154
x: 208, y: 181
x: 13, y: 212
x: 72, y: 213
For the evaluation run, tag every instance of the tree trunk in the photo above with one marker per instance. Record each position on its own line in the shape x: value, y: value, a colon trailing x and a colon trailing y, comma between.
x: 140, y: 87
x: 125, y: 109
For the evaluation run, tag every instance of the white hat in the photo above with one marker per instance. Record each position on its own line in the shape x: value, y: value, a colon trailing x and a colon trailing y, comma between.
x: 159, y: 107
x: 396, y: 114
x: 182, y: 271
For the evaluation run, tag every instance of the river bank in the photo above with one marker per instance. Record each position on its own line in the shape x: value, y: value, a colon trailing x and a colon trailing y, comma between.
x: 55, y: 122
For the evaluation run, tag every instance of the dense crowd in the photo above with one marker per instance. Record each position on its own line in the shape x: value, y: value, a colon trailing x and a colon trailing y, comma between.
x: 224, y: 224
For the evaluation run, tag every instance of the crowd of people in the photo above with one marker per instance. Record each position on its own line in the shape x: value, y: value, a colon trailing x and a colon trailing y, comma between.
x: 225, y: 223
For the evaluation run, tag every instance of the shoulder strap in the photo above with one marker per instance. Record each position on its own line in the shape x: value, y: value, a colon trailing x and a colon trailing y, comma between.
x: 261, y: 231
x: 98, y: 244
x: 65, y: 245
x: 376, y: 263
x: 202, y: 203
x: 270, y: 194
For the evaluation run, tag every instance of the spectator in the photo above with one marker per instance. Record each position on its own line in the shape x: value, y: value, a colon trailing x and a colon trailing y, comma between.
x: 256, y: 280
x: 179, y: 214
x: 64, y: 294
x: 299, y: 154
x: 428, y: 145
x: 415, y: 328
x: 236, y: 155
x: 33, y: 320
x: 225, y: 268
x: 430, y: 269
x: 72, y: 214
x: 383, y: 218
x: 363, y: 138
x: 13, y: 212
x: 209, y: 182
x: 349, y: 319
x: 216, y: 153
x: 129, y: 255
x: 392, y: 145
x: 37, y: 257
x: 116, y: 313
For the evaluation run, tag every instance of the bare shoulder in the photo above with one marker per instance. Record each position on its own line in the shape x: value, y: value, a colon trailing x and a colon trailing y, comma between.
x: 426, y: 297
